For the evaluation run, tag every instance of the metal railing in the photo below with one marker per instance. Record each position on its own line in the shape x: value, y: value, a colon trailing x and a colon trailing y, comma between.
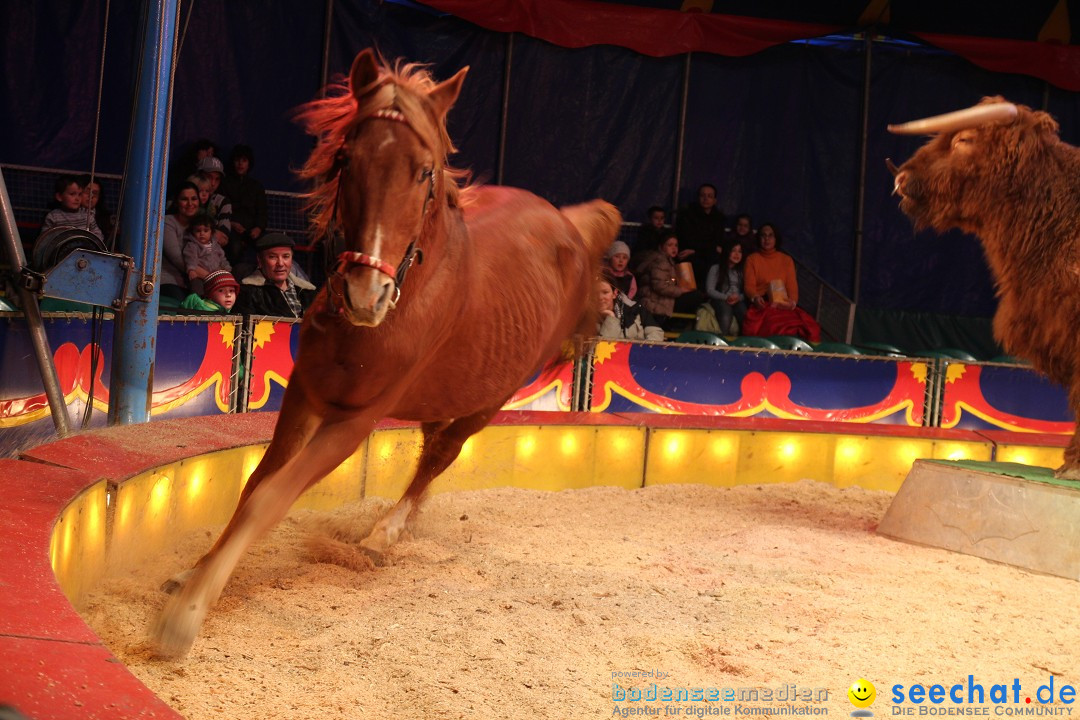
x: 31, y: 190
x: 834, y: 311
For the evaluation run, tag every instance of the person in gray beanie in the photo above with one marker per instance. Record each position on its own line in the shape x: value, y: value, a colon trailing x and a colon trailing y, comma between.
x: 616, y: 262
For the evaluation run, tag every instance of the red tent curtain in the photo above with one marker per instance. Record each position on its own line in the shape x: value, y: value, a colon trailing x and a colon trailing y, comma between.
x: 660, y: 32
x: 655, y: 32
x: 1057, y: 64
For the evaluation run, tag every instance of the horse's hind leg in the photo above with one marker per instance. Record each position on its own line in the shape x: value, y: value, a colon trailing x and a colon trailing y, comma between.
x: 304, y: 450
x: 442, y: 444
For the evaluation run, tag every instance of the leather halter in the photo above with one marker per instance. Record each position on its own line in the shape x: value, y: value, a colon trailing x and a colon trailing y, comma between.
x: 349, y: 259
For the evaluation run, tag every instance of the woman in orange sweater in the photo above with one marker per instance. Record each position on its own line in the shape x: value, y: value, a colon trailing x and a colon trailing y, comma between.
x: 773, y: 292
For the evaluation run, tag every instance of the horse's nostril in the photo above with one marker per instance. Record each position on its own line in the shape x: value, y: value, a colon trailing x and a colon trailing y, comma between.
x: 345, y: 295
x: 385, y: 295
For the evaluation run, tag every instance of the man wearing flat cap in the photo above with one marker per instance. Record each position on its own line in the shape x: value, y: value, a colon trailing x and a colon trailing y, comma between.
x: 275, y: 289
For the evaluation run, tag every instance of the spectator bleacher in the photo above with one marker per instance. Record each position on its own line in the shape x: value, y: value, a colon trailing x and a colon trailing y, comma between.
x: 31, y: 189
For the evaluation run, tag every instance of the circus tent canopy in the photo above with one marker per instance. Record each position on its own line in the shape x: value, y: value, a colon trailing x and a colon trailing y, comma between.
x: 1032, y: 38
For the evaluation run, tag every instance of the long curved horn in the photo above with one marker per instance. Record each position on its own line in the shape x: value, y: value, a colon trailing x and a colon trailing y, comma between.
x: 958, y: 120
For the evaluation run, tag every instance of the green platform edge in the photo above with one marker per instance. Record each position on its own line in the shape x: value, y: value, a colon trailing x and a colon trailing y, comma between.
x: 1035, y: 473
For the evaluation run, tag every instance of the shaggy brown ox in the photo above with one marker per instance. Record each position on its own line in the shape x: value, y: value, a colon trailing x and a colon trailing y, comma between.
x: 1001, y: 172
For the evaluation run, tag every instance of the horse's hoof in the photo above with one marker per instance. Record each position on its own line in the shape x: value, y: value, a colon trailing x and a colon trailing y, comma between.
x: 1068, y: 472
x: 176, y: 628
x: 173, y: 584
x: 377, y: 556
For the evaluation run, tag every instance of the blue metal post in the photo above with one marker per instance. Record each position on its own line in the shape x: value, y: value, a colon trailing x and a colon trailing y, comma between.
x: 135, y: 329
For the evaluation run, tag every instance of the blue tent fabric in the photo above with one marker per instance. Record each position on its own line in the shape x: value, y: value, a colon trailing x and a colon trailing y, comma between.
x: 573, y: 134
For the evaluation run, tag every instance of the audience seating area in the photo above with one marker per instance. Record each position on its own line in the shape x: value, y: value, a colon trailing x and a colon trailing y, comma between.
x: 29, y: 189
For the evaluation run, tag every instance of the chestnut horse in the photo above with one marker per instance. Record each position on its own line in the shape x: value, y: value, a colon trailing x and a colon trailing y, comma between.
x: 505, y: 278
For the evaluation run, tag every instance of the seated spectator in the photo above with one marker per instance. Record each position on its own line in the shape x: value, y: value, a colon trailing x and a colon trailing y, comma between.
x: 658, y: 283
x: 202, y: 181
x: 94, y: 202
x: 218, y: 207
x: 774, y: 292
x: 69, y: 210
x: 219, y: 294
x: 620, y: 317
x: 185, y: 205
x: 249, y: 212
x: 648, y: 235
x: 724, y: 286
x: 618, y: 257
x: 196, y: 153
x: 700, y: 228
x: 743, y: 232
x: 275, y: 289
x: 187, y: 162
x: 202, y: 254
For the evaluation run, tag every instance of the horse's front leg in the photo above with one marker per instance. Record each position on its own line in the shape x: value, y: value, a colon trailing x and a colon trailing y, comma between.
x: 304, y: 449
x: 296, y: 425
x: 442, y: 445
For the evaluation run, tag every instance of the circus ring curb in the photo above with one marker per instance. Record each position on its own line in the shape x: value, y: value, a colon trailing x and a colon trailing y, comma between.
x: 71, y: 506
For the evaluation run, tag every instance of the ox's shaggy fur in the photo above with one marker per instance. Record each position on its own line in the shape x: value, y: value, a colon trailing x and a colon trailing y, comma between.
x: 1016, y: 186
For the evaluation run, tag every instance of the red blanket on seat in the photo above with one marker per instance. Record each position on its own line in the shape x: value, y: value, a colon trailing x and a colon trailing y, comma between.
x: 770, y: 320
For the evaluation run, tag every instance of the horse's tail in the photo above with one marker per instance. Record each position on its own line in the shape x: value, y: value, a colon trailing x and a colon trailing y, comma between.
x: 598, y: 222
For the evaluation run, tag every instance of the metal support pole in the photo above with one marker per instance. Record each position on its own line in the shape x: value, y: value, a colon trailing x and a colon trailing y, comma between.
x: 324, y: 73
x: 16, y: 259
x: 500, y: 164
x: 680, y: 137
x: 135, y: 328
x: 860, y: 203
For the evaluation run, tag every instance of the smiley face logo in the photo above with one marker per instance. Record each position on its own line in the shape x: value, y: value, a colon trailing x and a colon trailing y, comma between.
x: 862, y: 693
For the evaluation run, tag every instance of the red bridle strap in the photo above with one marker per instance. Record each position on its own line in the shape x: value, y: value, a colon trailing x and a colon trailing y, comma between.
x: 347, y: 260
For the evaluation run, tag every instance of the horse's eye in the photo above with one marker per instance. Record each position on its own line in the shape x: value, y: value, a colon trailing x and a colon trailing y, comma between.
x: 425, y: 175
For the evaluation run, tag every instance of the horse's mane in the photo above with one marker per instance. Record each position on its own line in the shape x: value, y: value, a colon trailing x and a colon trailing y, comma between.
x: 331, y: 118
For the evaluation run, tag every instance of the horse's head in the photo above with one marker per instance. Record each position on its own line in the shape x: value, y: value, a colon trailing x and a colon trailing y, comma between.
x: 389, y: 169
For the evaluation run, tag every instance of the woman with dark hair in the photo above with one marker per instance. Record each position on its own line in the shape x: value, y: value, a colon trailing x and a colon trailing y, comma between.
x: 774, y: 292
x: 724, y: 286
x: 173, y: 273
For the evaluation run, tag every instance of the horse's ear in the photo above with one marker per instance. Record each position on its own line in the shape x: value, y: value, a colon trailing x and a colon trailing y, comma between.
x: 443, y: 96
x: 364, y: 73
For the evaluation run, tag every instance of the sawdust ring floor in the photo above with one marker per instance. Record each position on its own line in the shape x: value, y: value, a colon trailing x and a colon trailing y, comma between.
x: 512, y: 603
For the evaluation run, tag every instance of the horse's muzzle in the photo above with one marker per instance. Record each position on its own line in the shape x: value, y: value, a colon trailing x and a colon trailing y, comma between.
x: 367, y: 295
